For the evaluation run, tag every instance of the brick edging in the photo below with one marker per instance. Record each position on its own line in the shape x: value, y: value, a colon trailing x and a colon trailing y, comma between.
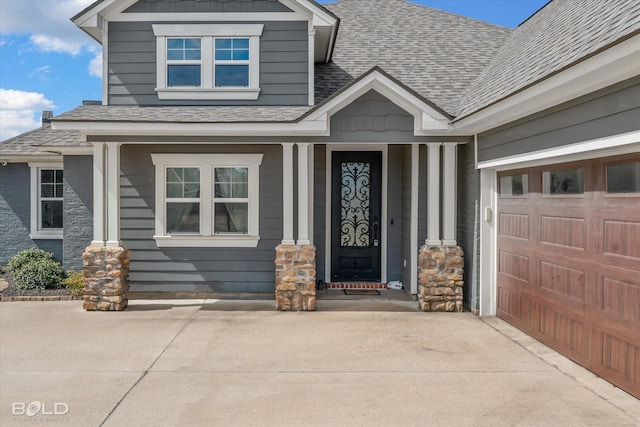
x: 17, y: 298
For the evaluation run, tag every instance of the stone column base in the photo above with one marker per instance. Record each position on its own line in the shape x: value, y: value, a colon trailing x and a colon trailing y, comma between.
x: 296, y: 278
x: 440, y: 278
x: 106, y: 285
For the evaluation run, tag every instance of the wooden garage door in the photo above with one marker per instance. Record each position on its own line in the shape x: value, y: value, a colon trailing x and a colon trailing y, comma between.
x: 568, y: 260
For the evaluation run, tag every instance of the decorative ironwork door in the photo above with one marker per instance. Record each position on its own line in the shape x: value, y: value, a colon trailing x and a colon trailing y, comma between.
x: 356, y: 215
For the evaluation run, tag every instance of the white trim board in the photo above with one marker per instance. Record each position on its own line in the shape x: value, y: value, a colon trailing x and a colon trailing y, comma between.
x: 600, y: 147
x: 384, y: 148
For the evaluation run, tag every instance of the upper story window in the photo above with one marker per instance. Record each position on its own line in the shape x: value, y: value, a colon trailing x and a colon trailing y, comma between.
x: 198, y: 61
x: 47, y: 200
x: 232, y: 62
x: 184, y: 64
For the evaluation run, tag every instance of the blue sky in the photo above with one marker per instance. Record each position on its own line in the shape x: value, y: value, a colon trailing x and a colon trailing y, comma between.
x: 46, y: 63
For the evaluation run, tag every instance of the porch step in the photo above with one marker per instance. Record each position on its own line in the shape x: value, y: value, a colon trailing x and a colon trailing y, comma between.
x: 356, y: 285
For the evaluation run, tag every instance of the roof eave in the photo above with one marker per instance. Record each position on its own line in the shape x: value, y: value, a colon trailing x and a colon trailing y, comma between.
x: 613, y: 63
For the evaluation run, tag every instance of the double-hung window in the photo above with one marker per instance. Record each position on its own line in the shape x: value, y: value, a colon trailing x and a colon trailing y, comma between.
x: 47, y: 200
x: 207, y: 200
x: 199, y: 61
x: 184, y: 62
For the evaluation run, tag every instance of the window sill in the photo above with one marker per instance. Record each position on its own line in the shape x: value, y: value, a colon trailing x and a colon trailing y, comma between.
x: 202, y: 93
x: 46, y: 236
x: 230, y: 241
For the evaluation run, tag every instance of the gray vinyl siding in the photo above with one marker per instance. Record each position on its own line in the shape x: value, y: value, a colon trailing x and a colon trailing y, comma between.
x: 319, y: 209
x: 283, y: 66
x: 407, y: 249
x: 614, y: 110
x: 468, y: 234
x: 15, y: 214
x: 395, y: 212
x: 190, y: 6
x: 197, y: 269
x: 372, y: 118
x: 78, y: 209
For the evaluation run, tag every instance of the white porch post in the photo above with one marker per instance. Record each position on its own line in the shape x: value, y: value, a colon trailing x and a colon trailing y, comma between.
x: 99, y: 212
x: 303, y: 194
x: 287, y: 194
x: 433, y: 195
x: 415, y: 193
x: 113, y: 194
x: 449, y: 196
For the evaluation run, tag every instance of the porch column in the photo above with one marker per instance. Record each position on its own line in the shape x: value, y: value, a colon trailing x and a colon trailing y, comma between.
x: 287, y: 194
x: 113, y: 194
x: 105, y: 264
x: 303, y: 194
x: 433, y: 195
x: 415, y: 199
x: 449, y: 195
x: 295, y: 261
x: 99, y: 213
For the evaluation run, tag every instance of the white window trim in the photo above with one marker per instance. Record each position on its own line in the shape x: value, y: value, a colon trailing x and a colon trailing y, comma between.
x: 207, y: 33
x: 206, y: 163
x: 36, y: 231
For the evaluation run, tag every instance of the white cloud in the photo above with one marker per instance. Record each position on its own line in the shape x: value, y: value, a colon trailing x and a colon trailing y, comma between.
x: 20, y: 111
x: 49, y: 18
x: 95, y: 65
x: 54, y: 44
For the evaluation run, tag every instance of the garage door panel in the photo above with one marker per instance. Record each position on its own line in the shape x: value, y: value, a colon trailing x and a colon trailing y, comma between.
x: 569, y: 270
x: 513, y: 225
x: 622, y: 238
x: 619, y: 299
x: 570, y: 232
x: 563, y: 281
x: 514, y: 265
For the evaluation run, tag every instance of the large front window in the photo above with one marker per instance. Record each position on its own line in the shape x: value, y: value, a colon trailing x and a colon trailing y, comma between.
x: 198, y: 61
x: 207, y: 199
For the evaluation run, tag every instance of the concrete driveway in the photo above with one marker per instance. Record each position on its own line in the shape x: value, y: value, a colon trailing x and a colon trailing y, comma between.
x: 228, y: 363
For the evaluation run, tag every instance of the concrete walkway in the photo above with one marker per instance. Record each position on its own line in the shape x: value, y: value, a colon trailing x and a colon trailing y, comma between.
x: 235, y: 363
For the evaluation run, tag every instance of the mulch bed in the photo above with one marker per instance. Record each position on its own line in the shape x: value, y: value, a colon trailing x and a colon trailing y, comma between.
x: 12, y: 293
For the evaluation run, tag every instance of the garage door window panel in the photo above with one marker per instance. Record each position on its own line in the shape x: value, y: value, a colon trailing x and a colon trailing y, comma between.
x: 564, y: 182
x: 514, y: 185
x: 623, y: 178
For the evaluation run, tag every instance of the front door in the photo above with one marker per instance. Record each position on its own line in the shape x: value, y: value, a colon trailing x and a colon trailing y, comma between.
x: 355, y: 216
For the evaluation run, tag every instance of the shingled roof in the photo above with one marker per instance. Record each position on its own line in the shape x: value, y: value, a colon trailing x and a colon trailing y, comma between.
x: 560, y: 35
x: 26, y: 144
x: 437, y: 54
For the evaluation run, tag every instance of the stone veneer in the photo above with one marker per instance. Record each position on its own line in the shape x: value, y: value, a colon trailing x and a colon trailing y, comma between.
x: 106, y: 284
x: 440, y: 278
x: 296, y: 278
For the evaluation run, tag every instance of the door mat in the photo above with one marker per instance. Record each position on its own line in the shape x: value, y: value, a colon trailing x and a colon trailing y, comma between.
x: 361, y: 292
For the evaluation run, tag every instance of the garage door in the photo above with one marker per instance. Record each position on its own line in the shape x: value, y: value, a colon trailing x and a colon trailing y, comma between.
x: 568, y: 261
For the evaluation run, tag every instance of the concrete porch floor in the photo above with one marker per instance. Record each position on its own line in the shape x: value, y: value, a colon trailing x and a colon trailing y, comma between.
x: 240, y: 363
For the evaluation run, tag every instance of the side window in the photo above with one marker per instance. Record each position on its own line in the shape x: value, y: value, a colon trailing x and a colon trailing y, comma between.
x: 623, y: 178
x: 563, y: 182
x: 47, y: 200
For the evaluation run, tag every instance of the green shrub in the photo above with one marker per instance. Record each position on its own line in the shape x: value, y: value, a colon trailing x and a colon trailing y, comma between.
x: 26, y: 257
x: 74, y: 282
x: 39, y: 274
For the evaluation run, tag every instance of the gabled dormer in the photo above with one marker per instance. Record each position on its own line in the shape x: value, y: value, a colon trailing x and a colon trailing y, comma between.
x: 215, y: 52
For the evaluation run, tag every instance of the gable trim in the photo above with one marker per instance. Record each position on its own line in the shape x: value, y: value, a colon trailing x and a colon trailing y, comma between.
x: 428, y: 118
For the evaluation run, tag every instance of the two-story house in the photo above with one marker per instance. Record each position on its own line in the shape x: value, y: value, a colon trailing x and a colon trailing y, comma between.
x: 263, y: 146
